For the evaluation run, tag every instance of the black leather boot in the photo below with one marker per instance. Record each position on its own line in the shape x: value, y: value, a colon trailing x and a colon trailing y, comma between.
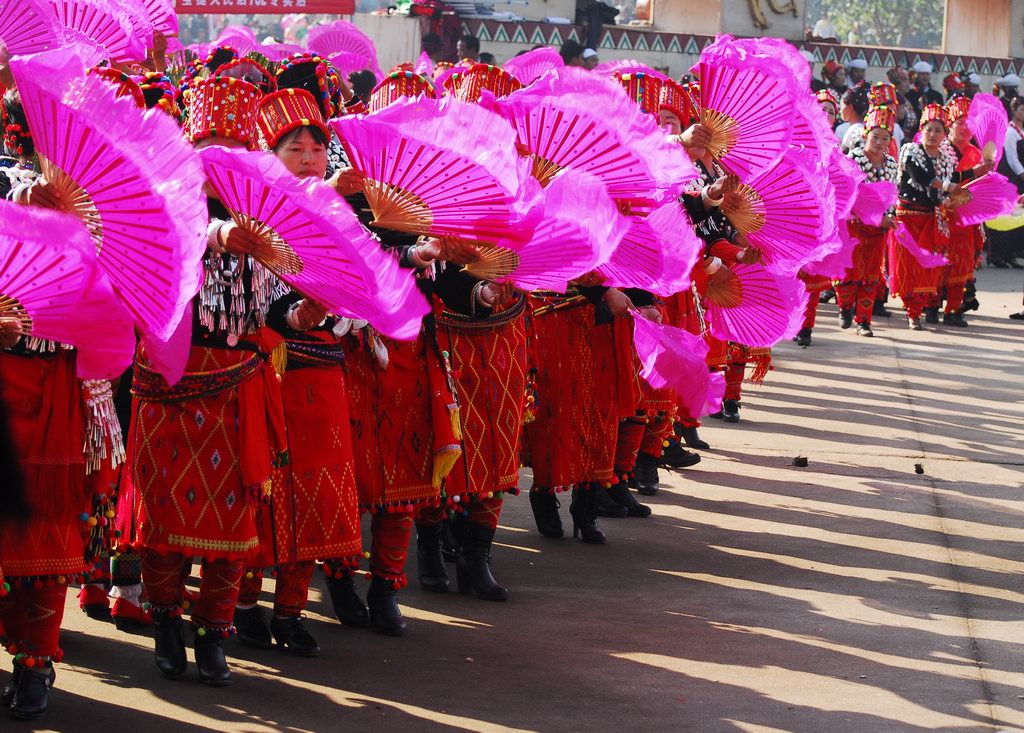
x: 803, y: 337
x: 621, y: 495
x: 32, y: 695
x: 931, y: 315
x: 608, y: 507
x: 429, y: 560
x: 954, y: 319
x: 169, y: 637
x: 290, y: 633
x: 252, y: 627
x: 646, y: 471
x: 731, y: 410
x: 845, y: 318
x: 676, y: 456
x: 584, y: 515
x: 879, y: 310
x: 12, y: 684
x: 450, y: 540
x: 385, y: 615
x: 545, y: 507
x: 348, y: 606
x: 693, y: 439
x: 208, y: 647
x: 473, y: 570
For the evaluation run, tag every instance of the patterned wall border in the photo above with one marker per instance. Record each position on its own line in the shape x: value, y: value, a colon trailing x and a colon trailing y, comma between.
x: 631, y: 39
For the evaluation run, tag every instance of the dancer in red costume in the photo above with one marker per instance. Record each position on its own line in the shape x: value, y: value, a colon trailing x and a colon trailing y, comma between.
x: 313, y: 509
x: 69, y: 488
x: 202, y: 452
x: 926, y: 180
x: 965, y: 242
x: 857, y: 290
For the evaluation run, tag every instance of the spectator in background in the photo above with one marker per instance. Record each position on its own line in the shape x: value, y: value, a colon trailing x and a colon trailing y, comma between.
x: 824, y: 30
x: 922, y: 94
x: 590, y: 59
x: 488, y: 58
x: 433, y: 47
x: 906, y: 115
x: 972, y: 85
x: 953, y: 85
x: 468, y: 48
x: 1005, y: 247
x: 1006, y: 90
x: 834, y: 76
x: 572, y: 53
x: 856, y: 70
x: 362, y: 83
x: 853, y: 110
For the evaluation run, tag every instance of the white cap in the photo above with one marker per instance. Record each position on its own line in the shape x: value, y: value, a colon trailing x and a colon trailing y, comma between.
x: 589, y: 53
x: 807, y: 55
x: 974, y: 79
x: 922, y: 67
x: 857, y: 64
x: 1010, y: 80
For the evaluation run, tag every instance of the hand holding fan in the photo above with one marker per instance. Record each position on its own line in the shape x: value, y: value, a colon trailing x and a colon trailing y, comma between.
x: 29, y: 26
x: 580, y: 228
x: 987, y: 122
x: 348, y: 48
x: 571, y: 118
x: 51, y: 287
x: 534, y: 64
x: 763, y: 309
x: 657, y: 253
x: 991, y: 196
x: 314, y: 241
x: 674, y: 357
x: 749, y: 105
x: 873, y: 200
x: 440, y: 167
x: 782, y: 212
x: 130, y: 176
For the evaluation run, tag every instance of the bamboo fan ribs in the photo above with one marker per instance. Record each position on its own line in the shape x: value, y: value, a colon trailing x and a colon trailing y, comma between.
x: 762, y: 311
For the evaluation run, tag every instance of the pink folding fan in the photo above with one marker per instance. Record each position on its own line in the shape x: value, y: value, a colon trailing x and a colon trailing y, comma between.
x: 991, y: 196
x: 766, y: 308
x: 100, y: 23
x: 29, y: 26
x: 348, y: 47
x: 534, y: 64
x: 987, y: 122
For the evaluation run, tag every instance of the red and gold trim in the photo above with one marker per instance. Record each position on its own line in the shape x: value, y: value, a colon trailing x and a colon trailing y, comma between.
x: 400, y: 85
x: 222, y: 107
x: 478, y: 77
x: 287, y: 110
x: 642, y: 88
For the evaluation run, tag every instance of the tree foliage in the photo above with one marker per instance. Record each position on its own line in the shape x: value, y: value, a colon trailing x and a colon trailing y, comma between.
x: 895, y: 23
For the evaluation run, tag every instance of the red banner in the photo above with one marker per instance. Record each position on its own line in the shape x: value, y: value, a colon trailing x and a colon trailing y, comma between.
x: 335, y: 7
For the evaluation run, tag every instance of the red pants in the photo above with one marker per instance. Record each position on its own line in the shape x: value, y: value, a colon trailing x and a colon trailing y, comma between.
x: 858, y: 297
x: 627, y: 445
x: 483, y: 511
x: 811, y: 311
x: 915, y: 303
x: 656, y: 431
x: 218, y: 591
x: 290, y: 594
x: 30, y: 618
x: 389, y: 545
x: 734, y: 381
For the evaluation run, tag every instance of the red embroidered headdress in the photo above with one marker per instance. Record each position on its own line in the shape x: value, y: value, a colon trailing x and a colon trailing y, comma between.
x: 676, y: 99
x: 222, y: 107
x: 286, y: 110
x: 478, y: 77
x: 957, y: 107
x: 642, y: 88
x: 933, y: 112
x: 880, y: 118
x: 882, y: 93
x: 400, y: 85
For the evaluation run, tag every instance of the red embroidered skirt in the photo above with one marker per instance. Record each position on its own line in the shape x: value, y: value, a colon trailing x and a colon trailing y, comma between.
x: 814, y: 282
x: 489, y: 362
x: 868, y: 254
x: 961, y: 252
x: 392, y: 415
x: 907, y: 277
x: 43, y: 401
x: 314, y: 509
x: 194, y: 486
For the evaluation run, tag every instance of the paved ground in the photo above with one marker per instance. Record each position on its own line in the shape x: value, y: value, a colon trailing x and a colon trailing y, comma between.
x: 851, y: 595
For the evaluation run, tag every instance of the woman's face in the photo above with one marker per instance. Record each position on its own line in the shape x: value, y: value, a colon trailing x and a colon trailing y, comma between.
x: 932, y: 134
x: 959, y: 132
x: 669, y: 122
x: 1018, y: 114
x: 849, y: 113
x: 877, y: 141
x: 302, y: 155
x: 840, y: 78
x: 830, y: 112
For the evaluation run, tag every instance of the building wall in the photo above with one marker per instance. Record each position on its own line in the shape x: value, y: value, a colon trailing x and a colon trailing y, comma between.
x: 703, y: 17
x: 540, y: 9
x: 980, y: 28
x: 397, y: 37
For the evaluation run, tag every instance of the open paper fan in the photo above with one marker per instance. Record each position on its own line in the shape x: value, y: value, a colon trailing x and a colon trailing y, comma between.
x: 657, y: 253
x: 100, y: 23
x: 769, y: 310
x: 991, y: 196
x: 580, y: 228
x: 354, y: 50
x: 812, y: 142
x: 317, y: 244
x: 772, y: 48
x: 571, y: 118
x: 138, y: 16
x: 129, y: 175
x: 534, y: 64
x: 782, y: 212
x: 749, y: 107
x: 278, y: 51
x: 162, y: 16
x: 901, y: 244
x: 835, y: 265
x: 846, y: 177
x: 673, y: 357
x: 872, y: 200
x: 50, y: 284
x: 440, y: 167
x: 29, y: 26
x: 987, y: 122
x: 425, y: 65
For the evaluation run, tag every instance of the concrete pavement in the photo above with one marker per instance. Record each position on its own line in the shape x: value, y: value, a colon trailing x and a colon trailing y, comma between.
x: 851, y: 595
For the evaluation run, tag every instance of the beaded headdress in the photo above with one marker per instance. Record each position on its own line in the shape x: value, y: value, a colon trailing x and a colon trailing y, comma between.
x: 675, y: 98
x: 957, y: 107
x: 933, y: 112
x: 222, y: 107
x: 287, y: 110
x: 880, y: 118
x: 399, y: 85
x: 642, y: 88
x: 478, y: 77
